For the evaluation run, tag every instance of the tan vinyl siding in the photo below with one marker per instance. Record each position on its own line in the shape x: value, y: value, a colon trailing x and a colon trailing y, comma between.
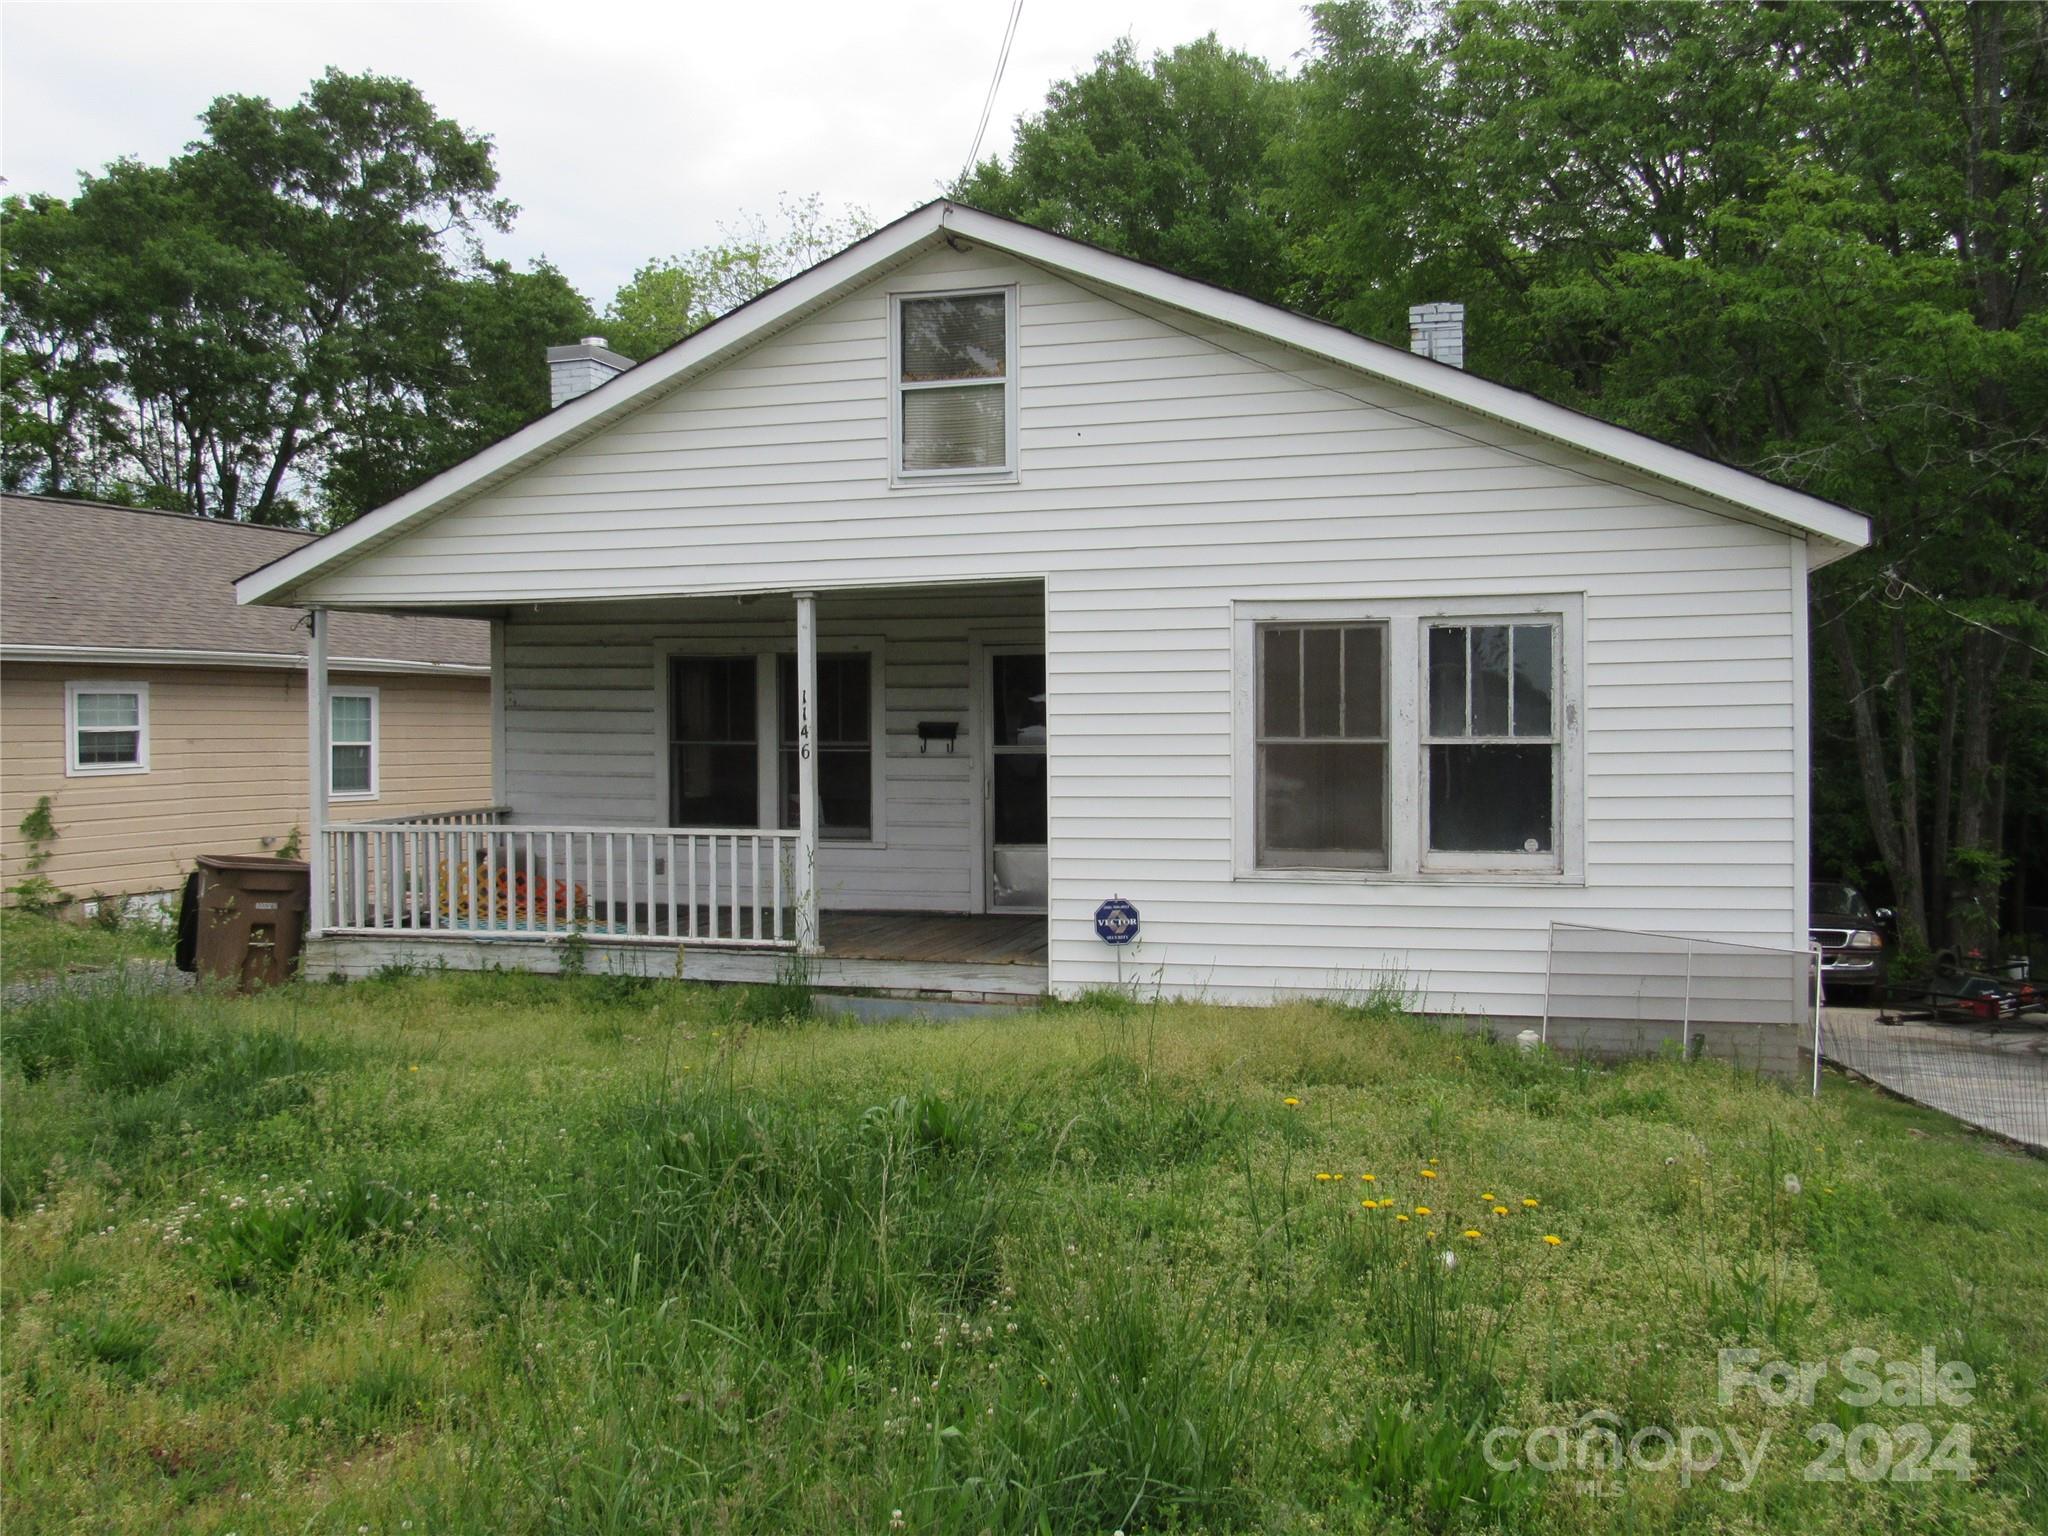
x: 227, y: 767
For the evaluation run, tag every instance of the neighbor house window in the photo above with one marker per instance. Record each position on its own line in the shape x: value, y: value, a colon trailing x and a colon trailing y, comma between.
x: 955, y: 384
x: 1322, y: 746
x: 714, y: 743
x: 845, y: 727
x: 1490, y: 741
x: 1410, y: 738
x: 106, y: 728
x: 352, y: 743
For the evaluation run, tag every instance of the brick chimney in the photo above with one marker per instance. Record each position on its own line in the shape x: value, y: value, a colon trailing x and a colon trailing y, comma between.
x: 1438, y: 331
x: 577, y: 370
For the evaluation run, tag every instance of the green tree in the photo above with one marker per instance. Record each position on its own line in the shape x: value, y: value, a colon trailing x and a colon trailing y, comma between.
x: 61, y: 423
x: 235, y: 296
x: 1163, y: 160
x: 480, y: 375
x: 669, y: 298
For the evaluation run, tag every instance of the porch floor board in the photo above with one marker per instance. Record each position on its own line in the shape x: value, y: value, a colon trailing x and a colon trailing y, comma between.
x: 946, y: 938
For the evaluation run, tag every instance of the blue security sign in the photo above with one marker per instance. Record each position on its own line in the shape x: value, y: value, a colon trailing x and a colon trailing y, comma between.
x: 1116, y: 921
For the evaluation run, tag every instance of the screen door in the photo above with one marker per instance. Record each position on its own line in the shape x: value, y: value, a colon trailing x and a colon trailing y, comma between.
x: 1016, y: 782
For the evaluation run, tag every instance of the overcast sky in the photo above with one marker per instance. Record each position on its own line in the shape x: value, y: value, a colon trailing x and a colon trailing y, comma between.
x: 624, y: 131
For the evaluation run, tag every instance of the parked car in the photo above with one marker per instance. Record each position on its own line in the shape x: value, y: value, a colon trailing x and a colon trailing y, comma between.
x: 1850, y: 935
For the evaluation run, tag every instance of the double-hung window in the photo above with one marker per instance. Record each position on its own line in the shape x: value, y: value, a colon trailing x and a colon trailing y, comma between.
x: 1490, y: 743
x: 1322, y: 746
x: 352, y: 744
x: 1410, y: 738
x: 714, y: 746
x: 954, y: 391
x: 733, y: 742
x: 106, y: 728
x: 846, y: 747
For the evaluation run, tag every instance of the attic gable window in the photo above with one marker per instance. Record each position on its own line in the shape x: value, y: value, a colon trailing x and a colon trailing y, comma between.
x: 954, y: 397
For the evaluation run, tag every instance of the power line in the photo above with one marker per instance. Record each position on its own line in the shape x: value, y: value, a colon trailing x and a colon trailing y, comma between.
x: 989, y: 102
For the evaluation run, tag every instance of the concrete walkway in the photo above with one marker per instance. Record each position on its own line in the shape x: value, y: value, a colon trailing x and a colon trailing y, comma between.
x: 1995, y: 1079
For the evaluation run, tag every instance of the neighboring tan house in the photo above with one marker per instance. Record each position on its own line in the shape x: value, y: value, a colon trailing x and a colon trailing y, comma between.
x: 164, y: 721
x: 975, y: 576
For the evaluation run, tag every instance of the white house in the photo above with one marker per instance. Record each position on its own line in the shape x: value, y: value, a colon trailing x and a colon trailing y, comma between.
x: 977, y: 575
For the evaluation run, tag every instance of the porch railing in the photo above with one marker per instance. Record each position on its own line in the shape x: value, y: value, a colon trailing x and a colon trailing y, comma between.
x: 438, y: 876
x: 469, y: 816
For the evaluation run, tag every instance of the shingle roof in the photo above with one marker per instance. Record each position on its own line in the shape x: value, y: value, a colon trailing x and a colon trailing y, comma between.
x: 85, y: 574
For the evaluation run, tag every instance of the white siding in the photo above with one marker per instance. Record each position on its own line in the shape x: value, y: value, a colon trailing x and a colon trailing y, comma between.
x: 1167, y: 470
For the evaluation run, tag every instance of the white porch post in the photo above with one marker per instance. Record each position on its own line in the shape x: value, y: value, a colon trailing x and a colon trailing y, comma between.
x: 807, y: 772
x: 318, y: 730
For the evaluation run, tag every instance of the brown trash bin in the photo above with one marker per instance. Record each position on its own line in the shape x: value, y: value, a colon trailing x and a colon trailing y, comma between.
x: 252, y: 917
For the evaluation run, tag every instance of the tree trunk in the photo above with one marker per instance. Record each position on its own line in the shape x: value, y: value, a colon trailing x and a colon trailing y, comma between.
x: 1877, y: 790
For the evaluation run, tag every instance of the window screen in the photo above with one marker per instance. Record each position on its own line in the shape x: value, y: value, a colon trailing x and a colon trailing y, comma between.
x: 845, y: 746
x: 352, y: 735
x: 109, y: 729
x: 714, y: 751
x: 1491, y: 746
x: 953, y: 387
x: 1322, y: 746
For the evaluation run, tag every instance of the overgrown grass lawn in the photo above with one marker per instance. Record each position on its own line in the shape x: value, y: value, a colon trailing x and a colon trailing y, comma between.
x: 33, y: 946
x: 499, y: 1254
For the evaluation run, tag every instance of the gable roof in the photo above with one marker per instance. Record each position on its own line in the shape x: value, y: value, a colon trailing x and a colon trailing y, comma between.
x: 1832, y: 530
x: 83, y: 580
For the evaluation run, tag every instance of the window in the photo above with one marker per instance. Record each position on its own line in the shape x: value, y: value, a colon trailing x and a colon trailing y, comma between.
x: 1489, y: 743
x: 106, y: 728
x: 955, y: 385
x: 733, y: 746
x: 845, y: 747
x: 714, y: 747
x: 352, y: 744
x: 1322, y: 746
x: 1410, y: 738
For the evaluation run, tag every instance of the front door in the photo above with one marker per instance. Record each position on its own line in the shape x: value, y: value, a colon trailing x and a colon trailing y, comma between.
x: 1014, y: 783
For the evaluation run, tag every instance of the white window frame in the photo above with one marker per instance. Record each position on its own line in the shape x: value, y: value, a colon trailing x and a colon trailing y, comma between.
x: 1004, y: 474
x: 1406, y: 619
x: 73, y: 768
x: 376, y: 727
x: 766, y: 649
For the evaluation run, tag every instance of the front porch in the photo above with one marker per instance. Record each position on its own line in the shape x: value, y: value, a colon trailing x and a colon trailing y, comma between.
x: 852, y: 783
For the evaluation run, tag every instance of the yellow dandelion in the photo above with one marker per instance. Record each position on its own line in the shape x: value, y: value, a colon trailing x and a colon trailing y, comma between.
x: 1291, y: 1103
x: 1368, y: 1178
x: 1430, y: 1234
x: 1552, y: 1238
x: 1532, y: 1204
x: 1473, y: 1233
x: 1422, y: 1210
x: 1336, y: 1175
x: 1487, y: 1194
x: 1432, y: 1162
x: 1500, y: 1210
x: 1370, y: 1205
x: 1402, y: 1217
x: 1429, y: 1173
x: 1322, y: 1178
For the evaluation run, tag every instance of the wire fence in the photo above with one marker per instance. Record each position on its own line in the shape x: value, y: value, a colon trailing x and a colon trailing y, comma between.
x: 1990, y: 1074
x: 1614, y: 992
